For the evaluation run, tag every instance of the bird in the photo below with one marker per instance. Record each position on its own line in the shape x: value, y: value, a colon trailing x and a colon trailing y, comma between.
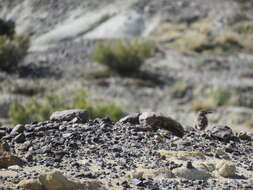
x: 201, y: 122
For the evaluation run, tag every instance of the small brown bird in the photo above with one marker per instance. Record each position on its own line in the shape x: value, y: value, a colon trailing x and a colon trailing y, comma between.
x: 201, y: 121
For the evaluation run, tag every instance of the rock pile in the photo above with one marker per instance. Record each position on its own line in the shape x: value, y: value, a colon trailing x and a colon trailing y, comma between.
x: 141, y: 151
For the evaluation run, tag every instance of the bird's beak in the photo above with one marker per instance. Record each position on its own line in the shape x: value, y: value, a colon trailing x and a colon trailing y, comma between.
x: 209, y: 111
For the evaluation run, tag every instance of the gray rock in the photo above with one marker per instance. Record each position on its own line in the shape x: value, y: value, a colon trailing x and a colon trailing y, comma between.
x: 222, y: 133
x: 18, y: 129
x: 2, y: 133
x: 14, y: 167
x: 157, y: 120
x: 68, y: 115
x: 131, y: 118
x: 20, y: 138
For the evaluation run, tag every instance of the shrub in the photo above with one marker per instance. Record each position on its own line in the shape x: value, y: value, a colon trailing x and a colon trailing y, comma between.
x: 249, y: 123
x: 251, y: 65
x: 12, y: 51
x: 17, y: 113
x: 123, y: 57
x: 106, y: 110
x: 202, y: 104
x: 216, y: 97
x: 35, y: 110
x: 246, y: 101
x: 26, y: 88
x: 221, y: 97
x: 180, y: 89
x: 40, y: 110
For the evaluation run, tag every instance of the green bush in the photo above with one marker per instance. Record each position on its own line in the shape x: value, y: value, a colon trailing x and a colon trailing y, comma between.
x: 35, y: 110
x: 40, y: 110
x: 105, y: 110
x: 179, y: 89
x: 246, y: 101
x: 12, y: 51
x: 123, y: 57
x: 221, y: 96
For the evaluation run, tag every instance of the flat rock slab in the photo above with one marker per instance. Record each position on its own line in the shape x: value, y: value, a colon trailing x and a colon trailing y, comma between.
x: 192, y: 174
x: 56, y: 181
x: 68, y: 115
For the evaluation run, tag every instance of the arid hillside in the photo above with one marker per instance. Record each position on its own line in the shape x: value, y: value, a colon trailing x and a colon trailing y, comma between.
x: 200, y: 58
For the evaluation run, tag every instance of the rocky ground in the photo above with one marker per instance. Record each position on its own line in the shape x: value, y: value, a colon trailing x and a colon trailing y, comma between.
x: 63, y: 35
x: 141, y: 151
x: 204, y: 61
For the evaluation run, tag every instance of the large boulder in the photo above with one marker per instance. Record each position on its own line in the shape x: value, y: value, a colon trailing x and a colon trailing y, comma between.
x: 68, y: 115
x: 222, y: 133
x: 156, y: 120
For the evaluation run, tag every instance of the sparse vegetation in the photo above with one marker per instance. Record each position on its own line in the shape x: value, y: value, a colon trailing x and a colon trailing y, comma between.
x: 202, y: 104
x: 12, y: 51
x: 215, y: 98
x: 123, y: 57
x: 221, y: 96
x: 245, y: 27
x: 27, y: 89
x: 251, y: 65
x: 35, y: 110
x: 246, y: 101
x: 40, y: 110
x: 200, y: 37
x: 179, y: 89
x: 249, y: 123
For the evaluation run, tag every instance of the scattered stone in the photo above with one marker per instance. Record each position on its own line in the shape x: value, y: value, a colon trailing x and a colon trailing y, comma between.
x: 4, y: 146
x: 132, y: 118
x: 18, y: 129
x: 117, y: 152
x: 14, y: 168
x: 68, y: 115
x: 2, y: 133
x: 28, y: 156
x: 157, y: 120
x: 244, y: 136
x: 226, y: 169
x: 20, y: 138
x: 7, y: 159
x: 189, y: 165
x: 222, y: 133
x: 136, y: 182
x: 209, y: 167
